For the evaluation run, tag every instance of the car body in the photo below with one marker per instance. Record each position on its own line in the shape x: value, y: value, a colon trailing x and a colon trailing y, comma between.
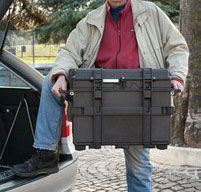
x: 20, y: 87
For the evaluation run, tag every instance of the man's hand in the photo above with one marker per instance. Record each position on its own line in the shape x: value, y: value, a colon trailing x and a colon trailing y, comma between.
x: 59, y: 84
x: 177, y: 85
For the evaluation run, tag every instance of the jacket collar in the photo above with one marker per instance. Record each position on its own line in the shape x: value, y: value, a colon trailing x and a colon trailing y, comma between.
x: 140, y: 11
x: 97, y: 17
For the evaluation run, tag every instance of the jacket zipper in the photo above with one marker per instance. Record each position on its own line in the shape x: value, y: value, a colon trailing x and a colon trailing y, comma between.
x: 119, y: 36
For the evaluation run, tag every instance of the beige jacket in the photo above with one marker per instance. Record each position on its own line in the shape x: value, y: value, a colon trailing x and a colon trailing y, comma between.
x: 160, y: 44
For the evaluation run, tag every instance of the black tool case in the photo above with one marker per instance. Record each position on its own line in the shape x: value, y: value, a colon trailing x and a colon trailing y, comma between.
x: 120, y: 107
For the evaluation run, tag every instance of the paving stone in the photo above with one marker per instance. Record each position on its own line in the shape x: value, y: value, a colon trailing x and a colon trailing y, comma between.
x: 174, y: 178
x: 183, y: 182
x: 177, y: 188
x: 100, y: 191
x: 104, y: 171
x: 167, y: 190
x: 190, y: 190
x: 186, y: 185
x: 76, y: 190
x: 199, y: 175
x: 156, y: 190
x: 88, y: 189
x: 198, y: 187
x: 168, y: 185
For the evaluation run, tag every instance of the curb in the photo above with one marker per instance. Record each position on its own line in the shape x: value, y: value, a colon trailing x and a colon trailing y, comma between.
x: 177, y: 156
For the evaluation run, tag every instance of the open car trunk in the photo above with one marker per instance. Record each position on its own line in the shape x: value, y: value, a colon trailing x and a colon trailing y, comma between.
x: 17, y: 104
x: 16, y: 137
x: 18, y: 113
x: 22, y: 105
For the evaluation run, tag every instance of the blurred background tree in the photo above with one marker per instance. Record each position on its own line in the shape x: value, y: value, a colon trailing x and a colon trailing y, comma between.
x: 63, y: 15
x: 27, y: 15
x: 170, y: 7
x: 55, y: 19
x: 51, y: 20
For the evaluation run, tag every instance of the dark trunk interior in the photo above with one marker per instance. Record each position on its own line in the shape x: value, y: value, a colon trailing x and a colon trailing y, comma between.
x: 19, y: 146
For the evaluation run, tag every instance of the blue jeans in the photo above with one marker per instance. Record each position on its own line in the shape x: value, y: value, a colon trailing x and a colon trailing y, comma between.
x: 138, y: 169
x: 47, y: 136
x: 48, y: 124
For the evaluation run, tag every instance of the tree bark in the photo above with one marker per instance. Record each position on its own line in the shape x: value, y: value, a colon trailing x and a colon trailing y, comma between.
x: 188, y: 112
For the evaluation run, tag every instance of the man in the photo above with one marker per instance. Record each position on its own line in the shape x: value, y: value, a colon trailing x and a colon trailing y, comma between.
x: 119, y: 34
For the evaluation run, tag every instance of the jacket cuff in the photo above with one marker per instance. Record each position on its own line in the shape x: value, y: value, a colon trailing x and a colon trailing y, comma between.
x: 178, y: 79
x: 55, y: 77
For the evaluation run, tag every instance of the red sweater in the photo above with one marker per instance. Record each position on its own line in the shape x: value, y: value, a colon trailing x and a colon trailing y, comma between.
x: 118, y: 48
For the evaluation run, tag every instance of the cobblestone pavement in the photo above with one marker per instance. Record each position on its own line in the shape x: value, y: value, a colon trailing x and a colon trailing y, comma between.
x: 103, y: 170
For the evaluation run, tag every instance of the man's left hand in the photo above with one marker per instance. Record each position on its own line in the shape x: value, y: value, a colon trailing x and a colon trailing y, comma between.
x: 177, y: 85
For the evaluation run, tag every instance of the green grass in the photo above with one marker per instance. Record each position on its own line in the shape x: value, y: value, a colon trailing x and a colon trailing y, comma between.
x: 39, y: 60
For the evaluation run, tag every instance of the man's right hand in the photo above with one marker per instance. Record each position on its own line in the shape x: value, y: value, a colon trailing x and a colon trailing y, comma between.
x: 59, y: 84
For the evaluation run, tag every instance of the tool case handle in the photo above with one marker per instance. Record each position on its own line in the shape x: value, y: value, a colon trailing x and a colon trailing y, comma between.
x: 69, y: 95
x: 175, y: 91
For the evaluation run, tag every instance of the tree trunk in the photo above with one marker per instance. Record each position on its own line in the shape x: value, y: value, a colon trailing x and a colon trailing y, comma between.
x: 188, y: 112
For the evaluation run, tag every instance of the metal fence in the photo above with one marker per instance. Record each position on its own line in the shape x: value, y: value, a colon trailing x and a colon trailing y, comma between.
x: 24, y: 45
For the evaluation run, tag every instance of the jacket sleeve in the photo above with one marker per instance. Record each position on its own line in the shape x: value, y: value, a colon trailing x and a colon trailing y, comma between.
x: 70, y: 56
x: 175, y: 48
